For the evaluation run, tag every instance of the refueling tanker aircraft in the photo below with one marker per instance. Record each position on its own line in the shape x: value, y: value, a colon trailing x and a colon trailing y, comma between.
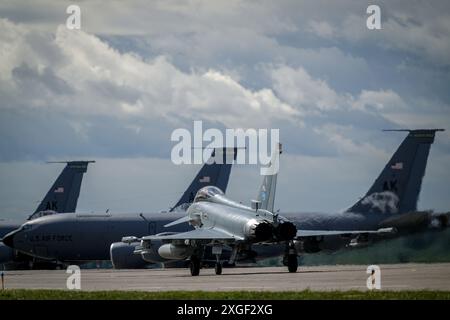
x: 61, y: 197
x: 84, y: 237
x: 388, y: 208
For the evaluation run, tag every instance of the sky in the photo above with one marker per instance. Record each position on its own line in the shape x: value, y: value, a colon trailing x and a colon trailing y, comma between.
x: 115, y: 90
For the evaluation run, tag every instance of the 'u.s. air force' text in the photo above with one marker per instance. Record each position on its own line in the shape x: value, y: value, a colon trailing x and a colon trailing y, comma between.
x: 51, y: 237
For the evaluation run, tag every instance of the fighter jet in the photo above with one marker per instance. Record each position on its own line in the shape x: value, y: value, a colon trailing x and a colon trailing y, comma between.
x: 61, y: 197
x: 220, y: 222
x: 78, y: 237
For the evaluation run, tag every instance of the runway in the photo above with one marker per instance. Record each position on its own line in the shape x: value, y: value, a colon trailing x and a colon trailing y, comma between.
x: 393, y: 277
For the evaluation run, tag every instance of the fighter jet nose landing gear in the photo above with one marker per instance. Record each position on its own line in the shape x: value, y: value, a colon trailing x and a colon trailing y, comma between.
x: 217, y: 251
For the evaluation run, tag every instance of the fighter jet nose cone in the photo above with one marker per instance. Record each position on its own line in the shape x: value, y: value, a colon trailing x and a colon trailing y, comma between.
x: 9, y: 239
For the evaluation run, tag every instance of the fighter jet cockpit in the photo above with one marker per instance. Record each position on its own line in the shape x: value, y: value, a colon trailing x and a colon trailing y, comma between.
x: 214, y: 194
x: 206, y: 193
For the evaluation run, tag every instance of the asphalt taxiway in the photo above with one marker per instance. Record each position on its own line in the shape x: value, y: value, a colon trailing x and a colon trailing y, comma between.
x: 353, y: 277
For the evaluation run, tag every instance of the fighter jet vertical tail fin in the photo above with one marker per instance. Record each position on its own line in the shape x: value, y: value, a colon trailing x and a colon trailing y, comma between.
x: 397, y: 188
x: 215, y: 172
x: 63, y: 195
x: 266, y: 194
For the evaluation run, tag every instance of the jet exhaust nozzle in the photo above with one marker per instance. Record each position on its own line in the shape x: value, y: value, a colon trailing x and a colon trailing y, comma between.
x: 263, y: 231
x: 286, y: 231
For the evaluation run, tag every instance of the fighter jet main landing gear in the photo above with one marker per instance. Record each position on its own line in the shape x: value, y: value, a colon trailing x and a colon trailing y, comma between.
x: 194, y: 266
x: 290, y: 257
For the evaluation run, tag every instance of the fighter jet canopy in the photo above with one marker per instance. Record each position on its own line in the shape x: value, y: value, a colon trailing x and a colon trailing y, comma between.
x: 206, y: 193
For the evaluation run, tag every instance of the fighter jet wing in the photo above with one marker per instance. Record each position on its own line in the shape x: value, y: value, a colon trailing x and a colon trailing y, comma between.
x: 178, y: 221
x: 197, y: 234
x: 314, y: 233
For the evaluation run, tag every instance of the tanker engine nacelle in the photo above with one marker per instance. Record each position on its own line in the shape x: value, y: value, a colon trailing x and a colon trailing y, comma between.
x: 6, y: 253
x: 122, y: 256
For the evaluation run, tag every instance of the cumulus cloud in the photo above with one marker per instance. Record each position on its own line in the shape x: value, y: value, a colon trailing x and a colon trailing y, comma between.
x: 91, y: 78
x: 321, y: 28
x: 299, y: 89
x: 379, y: 100
x: 78, y: 74
x: 338, y: 136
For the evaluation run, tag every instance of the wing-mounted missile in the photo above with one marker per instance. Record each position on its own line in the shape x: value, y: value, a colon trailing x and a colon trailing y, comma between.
x: 172, y: 251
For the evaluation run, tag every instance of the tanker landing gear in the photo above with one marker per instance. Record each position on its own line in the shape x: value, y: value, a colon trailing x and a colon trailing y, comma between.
x: 218, y: 268
x: 290, y: 257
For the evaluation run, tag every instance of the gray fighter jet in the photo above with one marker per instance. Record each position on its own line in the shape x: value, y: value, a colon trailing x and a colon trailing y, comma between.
x: 220, y: 222
x: 61, y: 197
